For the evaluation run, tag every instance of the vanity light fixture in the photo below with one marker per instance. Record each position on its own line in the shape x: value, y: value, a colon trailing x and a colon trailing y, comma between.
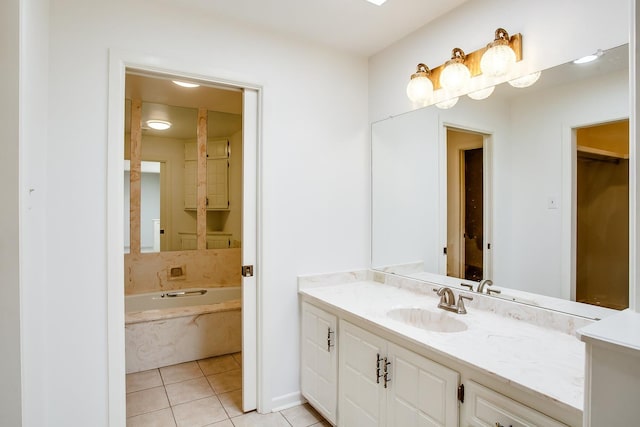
x: 589, y: 58
x: 499, y: 58
x: 526, y: 80
x: 455, y: 76
x: 420, y: 87
x: 158, y: 124
x: 185, y: 84
x: 481, y: 68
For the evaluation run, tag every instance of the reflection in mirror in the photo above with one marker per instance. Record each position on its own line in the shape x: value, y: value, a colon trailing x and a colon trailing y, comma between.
x: 150, y: 196
x: 190, y: 191
x: 531, y: 182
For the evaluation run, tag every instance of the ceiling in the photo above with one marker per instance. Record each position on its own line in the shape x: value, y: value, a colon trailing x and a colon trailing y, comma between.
x: 351, y: 25
x: 164, y: 100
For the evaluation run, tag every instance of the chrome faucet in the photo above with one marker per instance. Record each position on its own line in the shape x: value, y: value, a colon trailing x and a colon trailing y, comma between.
x: 448, y: 300
x: 486, y: 283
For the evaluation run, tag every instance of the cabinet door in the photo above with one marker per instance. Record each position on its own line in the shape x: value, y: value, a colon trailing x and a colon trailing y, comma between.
x: 483, y: 407
x: 217, y: 184
x: 319, y: 360
x: 190, y: 184
x: 421, y: 392
x: 218, y: 149
x: 221, y: 241
x: 361, y: 392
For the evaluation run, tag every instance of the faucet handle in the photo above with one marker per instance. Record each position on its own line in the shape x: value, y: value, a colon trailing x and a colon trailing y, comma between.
x: 493, y: 291
x: 461, y: 308
x: 467, y: 285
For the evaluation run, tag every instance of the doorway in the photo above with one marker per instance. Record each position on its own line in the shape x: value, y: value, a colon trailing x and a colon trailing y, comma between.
x: 466, y: 250
x: 602, y: 214
x: 119, y: 61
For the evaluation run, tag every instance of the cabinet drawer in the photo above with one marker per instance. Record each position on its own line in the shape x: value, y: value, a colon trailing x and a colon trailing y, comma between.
x: 485, y: 408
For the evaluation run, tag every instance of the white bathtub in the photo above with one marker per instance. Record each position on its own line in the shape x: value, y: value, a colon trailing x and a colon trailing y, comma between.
x: 162, y: 330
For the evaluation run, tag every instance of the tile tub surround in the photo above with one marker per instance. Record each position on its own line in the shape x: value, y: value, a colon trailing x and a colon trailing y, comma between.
x: 549, y: 362
x: 185, y: 395
x: 150, y: 272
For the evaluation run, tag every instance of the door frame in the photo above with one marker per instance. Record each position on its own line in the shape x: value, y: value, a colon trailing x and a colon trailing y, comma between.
x: 487, y: 188
x: 119, y: 61
x: 569, y: 198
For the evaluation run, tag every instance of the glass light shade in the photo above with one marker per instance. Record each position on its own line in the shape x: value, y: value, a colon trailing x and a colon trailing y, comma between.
x: 482, y: 93
x: 455, y: 77
x: 525, y: 81
x: 497, y: 60
x: 158, y: 124
x: 420, y: 89
x: 445, y: 105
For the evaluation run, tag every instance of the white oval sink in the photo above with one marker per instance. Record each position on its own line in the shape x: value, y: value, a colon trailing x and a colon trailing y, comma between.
x: 435, y: 321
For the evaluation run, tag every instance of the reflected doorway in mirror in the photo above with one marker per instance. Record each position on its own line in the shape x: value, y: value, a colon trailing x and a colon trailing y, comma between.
x: 466, y: 205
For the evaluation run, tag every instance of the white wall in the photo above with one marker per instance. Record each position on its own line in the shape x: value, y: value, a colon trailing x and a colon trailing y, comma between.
x: 554, y: 32
x: 10, y: 376
x: 315, y: 177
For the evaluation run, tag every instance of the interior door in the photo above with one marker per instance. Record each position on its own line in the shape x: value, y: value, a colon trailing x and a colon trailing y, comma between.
x: 249, y: 249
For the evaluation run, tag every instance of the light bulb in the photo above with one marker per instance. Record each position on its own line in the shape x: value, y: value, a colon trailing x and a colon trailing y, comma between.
x: 455, y: 76
x: 482, y: 93
x: 420, y: 88
x: 499, y: 58
x: 445, y: 105
x: 525, y: 81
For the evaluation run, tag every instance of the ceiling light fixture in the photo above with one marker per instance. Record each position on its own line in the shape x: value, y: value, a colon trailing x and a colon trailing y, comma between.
x: 185, y: 84
x: 158, y: 124
x: 456, y: 76
x: 589, y: 58
x: 499, y: 58
x: 377, y: 2
x: 420, y: 87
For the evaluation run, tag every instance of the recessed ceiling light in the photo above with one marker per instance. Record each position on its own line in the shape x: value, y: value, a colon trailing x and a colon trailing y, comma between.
x: 158, y: 124
x: 377, y: 2
x: 185, y: 84
x: 589, y: 58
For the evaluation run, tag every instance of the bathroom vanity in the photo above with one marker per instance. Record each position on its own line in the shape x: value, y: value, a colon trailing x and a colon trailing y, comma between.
x: 380, y: 352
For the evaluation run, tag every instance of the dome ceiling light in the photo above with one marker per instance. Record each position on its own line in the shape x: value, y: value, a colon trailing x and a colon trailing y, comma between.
x: 185, y: 84
x: 158, y: 124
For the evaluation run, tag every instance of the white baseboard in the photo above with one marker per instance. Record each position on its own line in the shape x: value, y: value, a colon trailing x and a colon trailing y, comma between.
x: 287, y: 401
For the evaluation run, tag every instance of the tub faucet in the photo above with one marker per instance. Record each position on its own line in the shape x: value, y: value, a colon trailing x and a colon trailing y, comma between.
x: 486, y: 283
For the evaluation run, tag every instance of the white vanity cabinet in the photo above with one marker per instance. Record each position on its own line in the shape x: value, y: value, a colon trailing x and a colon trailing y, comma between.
x: 319, y: 366
x: 485, y: 408
x: 383, y: 384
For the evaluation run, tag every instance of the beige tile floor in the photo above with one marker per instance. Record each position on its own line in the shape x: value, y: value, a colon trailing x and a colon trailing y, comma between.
x: 207, y: 392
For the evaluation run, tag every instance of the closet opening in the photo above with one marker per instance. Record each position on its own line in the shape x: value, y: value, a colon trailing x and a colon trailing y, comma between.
x: 602, y: 214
